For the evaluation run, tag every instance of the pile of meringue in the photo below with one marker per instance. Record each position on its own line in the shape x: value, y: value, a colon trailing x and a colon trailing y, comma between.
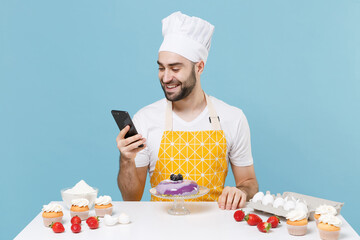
x: 122, y: 219
x: 286, y: 203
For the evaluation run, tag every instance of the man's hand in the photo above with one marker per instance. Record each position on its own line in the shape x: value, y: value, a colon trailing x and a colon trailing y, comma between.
x: 131, y: 179
x: 232, y: 198
x: 129, y: 147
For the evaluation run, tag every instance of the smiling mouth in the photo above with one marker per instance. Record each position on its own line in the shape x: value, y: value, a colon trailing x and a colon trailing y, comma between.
x: 171, y: 87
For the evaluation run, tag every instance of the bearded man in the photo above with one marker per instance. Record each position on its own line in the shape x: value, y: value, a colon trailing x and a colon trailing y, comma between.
x: 188, y: 132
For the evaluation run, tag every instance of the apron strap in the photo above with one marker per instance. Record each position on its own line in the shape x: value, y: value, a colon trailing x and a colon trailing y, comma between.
x: 213, y: 117
x: 168, y: 116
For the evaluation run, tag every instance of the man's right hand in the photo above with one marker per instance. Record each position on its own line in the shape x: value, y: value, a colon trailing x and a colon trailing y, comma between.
x: 129, y: 147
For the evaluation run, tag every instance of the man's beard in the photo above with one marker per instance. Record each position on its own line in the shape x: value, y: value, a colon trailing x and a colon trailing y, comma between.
x: 185, y: 88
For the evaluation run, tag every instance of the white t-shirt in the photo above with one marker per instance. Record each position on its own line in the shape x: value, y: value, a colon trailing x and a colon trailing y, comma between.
x: 150, y: 123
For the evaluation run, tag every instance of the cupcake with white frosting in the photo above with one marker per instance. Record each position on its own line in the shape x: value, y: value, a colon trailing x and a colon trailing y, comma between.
x: 103, y: 206
x: 80, y: 208
x: 297, y: 222
x: 52, y: 213
x: 329, y: 227
x: 324, y: 210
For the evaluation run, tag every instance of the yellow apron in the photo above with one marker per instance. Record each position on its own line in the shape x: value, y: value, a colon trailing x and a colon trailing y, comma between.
x: 198, y: 155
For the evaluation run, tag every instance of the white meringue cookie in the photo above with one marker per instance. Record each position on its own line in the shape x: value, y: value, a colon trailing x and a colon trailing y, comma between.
x: 124, y: 218
x: 267, y: 199
x: 258, y: 197
x: 109, y: 220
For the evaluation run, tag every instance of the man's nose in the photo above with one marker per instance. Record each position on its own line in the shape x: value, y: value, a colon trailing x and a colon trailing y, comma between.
x: 167, y: 76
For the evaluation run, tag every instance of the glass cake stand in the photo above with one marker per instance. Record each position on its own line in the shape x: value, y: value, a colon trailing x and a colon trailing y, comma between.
x: 178, y: 207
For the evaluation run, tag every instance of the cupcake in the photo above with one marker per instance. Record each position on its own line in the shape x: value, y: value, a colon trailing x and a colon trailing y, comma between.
x: 80, y: 208
x: 329, y: 227
x: 52, y: 213
x: 297, y: 222
x: 323, y: 210
x: 103, y: 206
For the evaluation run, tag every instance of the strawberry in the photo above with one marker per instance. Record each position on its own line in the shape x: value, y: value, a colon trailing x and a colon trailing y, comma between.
x: 239, y: 215
x: 57, y: 227
x: 90, y: 218
x: 75, y: 220
x: 76, y: 228
x: 253, y: 219
x: 264, y: 227
x: 93, y: 222
x: 274, y: 221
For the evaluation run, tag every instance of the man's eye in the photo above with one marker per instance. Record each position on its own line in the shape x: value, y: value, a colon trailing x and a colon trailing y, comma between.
x: 175, y: 69
x: 161, y: 69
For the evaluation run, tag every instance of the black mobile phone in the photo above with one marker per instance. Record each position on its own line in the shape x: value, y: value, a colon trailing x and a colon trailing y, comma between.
x: 122, y: 119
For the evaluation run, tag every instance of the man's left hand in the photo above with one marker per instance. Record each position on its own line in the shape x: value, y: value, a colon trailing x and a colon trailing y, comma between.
x: 232, y: 198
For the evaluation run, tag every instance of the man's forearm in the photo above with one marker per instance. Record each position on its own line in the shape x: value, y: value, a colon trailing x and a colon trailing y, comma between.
x: 128, y: 181
x: 250, y: 187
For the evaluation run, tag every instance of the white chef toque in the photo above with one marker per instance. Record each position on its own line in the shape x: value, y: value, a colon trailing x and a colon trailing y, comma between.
x: 187, y: 36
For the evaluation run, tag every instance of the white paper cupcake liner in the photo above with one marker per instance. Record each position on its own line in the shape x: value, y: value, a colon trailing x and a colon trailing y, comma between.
x: 297, y: 230
x: 329, y: 235
x: 100, y: 212
x: 82, y: 215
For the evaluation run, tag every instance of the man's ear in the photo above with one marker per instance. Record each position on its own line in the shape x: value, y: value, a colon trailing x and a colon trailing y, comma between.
x: 199, y: 67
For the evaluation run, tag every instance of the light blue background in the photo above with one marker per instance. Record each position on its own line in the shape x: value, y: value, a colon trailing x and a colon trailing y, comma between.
x: 292, y: 66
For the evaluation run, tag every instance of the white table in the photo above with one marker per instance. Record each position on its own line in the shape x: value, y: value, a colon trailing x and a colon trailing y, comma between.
x: 150, y: 220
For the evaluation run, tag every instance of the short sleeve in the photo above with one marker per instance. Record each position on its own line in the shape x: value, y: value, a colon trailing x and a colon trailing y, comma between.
x: 240, y: 151
x: 142, y: 158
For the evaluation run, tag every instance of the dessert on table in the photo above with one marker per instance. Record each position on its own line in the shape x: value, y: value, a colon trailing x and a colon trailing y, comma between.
x: 111, y: 221
x: 80, y: 208
x: 103, y: 206
x: 177, y: 186
x: 52, y: 213
x: 329, y: 227
x: 297, y: 222
x: 124, y: 218
x: 323, y: 210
